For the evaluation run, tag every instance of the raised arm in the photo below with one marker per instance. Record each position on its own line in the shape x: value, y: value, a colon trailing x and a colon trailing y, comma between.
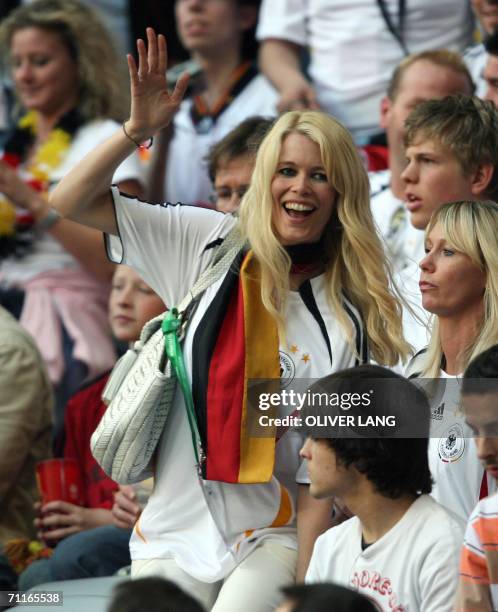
x: 83, y: 194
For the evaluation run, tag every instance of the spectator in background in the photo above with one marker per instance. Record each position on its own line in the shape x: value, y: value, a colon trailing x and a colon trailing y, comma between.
x: 438, y: 170
x: 478, y: 566
x: 458, y: 282
x: 86, y: 542
x: 354, y: 49
x: 490, y: 71
x: 25, y: 427
x: 231, y: 161
x: 52, y: 274
x: 220, y: 38
x: 425, y: 76
x: 400, y: 539
x: 153, y: 595
x: 486, y: 12
x: 321, y: 597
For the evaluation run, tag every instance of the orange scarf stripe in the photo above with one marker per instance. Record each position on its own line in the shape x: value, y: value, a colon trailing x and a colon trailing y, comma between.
x: 257, y: 453
x: 285, y: 512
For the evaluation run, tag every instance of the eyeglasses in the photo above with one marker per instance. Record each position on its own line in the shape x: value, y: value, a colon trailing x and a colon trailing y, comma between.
x: 226, y: 194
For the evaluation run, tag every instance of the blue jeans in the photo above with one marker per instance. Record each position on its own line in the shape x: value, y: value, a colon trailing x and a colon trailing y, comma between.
x: 89, y: 554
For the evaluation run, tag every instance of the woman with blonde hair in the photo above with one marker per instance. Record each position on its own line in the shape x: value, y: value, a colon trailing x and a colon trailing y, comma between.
x: 459, y: 286
x: 306, y: 297
x: 69, y: 98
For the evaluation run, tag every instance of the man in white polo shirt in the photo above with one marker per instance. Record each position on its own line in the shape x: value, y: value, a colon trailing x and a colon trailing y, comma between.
x: 354, y: 46
x: 401, y: 547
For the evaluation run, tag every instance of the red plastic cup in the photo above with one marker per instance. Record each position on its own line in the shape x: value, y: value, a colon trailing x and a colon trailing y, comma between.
x: 59, y: 480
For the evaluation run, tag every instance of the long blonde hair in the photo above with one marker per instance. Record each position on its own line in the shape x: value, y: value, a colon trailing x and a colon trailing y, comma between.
x: 103, y: 85
x: 356, y: 267
x: 471, y: 228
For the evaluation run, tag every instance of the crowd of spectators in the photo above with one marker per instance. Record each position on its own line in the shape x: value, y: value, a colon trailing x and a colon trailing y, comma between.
x: 354, y: 147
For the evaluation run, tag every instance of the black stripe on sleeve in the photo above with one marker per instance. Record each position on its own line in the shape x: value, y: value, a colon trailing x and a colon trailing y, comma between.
x: 108, y: 237
x: 213, y: 244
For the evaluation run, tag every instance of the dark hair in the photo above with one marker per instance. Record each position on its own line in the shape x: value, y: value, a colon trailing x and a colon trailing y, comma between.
x: 152, y: 594
x: 250, y: 44
x: 466, y: 125
x: 244, y: 139
x: 393, y: 458
x: 326, y: 596
x: 481, y: 375
x: 491, y: 42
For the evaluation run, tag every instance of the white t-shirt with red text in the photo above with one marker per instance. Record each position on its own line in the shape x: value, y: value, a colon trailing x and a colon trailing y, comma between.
x: 411, y: 568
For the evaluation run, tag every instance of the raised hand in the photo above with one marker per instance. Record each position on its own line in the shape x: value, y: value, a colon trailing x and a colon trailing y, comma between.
x: 152, y: 106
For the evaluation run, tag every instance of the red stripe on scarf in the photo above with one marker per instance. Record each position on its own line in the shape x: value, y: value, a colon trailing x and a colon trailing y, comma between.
x: 225, y: 405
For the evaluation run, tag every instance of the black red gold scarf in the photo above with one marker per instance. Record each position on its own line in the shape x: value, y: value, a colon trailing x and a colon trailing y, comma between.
x: 236, y: 341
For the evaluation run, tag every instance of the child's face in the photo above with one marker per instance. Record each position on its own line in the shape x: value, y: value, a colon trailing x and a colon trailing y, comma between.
x: 432, y: 177
x: 131, y: 304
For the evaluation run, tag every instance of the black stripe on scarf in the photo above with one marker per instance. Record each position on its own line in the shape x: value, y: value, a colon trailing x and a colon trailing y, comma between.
x: 204, y: 342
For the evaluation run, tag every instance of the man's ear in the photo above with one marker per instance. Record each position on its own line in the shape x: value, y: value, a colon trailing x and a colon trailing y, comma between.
x: 248, y: 17
x: 385, y: 112
x: 482, y: 178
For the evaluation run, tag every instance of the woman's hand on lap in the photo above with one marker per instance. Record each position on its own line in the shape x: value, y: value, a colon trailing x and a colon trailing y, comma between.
x: 126, y: 509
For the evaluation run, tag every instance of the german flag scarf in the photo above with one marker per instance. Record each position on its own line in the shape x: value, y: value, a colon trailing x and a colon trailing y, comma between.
x: 235, y: 342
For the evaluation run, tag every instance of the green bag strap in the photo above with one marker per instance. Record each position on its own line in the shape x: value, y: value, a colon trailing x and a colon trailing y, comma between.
x: 172, y: 329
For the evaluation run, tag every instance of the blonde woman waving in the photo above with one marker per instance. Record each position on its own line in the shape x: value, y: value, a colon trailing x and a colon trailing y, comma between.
x: 308, y: 296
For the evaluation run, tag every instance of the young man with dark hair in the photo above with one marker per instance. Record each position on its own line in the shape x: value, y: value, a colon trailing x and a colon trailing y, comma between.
x: 326, y: 596
x: 400, y: 539
x: 478, y: 586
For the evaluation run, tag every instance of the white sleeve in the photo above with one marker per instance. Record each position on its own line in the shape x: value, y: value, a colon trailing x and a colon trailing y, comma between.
x: 439, y: 572
x: 86, y: 139
x: 169, y: 245
x: 315, y: 571
x: 285, y: 19
x: 131, y: 169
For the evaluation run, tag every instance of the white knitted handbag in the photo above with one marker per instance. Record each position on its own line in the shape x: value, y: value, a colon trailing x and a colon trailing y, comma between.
x: 142, y: 386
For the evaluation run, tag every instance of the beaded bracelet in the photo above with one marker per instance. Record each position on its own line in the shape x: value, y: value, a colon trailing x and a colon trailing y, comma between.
x: 137, y: 144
